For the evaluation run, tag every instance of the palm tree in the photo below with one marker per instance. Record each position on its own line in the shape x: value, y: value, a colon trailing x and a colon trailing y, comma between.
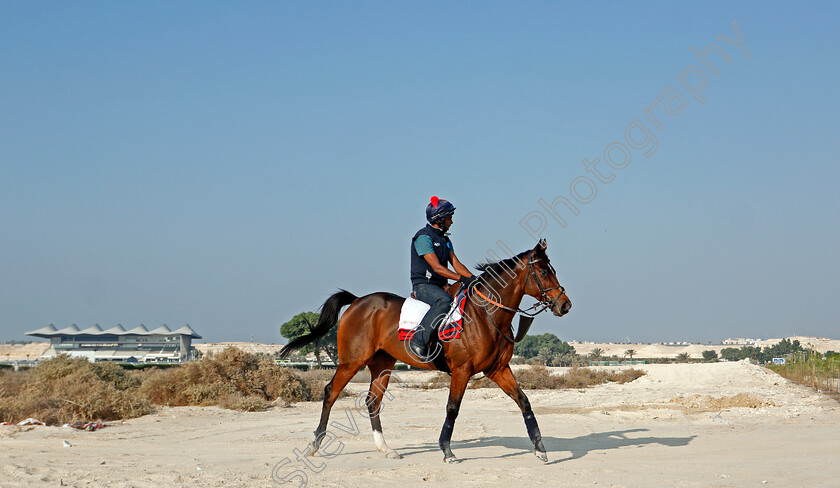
x: 545, y: 356
x: 596, y: 353
x: 683, y: 357
x: 630, y: 352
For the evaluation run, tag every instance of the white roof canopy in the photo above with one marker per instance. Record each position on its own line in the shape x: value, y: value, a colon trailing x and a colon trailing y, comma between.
x: 51, y: 331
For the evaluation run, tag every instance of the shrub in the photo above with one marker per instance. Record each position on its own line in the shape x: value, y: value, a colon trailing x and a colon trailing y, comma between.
x: 710, y: 355
x: 230, y: 378
x: 250, y: 403
x: 439, y: 380
x: 537, y: 377
x: 291, y: 385
x: 64, y: 389
x: 813, y: 371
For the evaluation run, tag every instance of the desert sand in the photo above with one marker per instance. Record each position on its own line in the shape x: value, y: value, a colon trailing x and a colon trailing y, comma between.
x: 681, y: 425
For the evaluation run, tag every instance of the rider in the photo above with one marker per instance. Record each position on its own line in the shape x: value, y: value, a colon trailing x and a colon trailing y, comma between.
x: 431, y: 254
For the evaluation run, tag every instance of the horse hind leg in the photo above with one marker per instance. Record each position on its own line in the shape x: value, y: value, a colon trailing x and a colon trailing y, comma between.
x: 343, y: 374
x: 380, y: 375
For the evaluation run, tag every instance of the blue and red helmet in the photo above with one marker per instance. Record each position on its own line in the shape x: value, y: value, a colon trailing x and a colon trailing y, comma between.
x: 438, y: 209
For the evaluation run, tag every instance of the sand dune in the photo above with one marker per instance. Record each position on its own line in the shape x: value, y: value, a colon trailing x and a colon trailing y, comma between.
x: 720, y: 424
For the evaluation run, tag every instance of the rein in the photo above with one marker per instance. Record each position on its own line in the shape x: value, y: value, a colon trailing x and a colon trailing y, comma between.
x: 526, y: 317
x: 544, y: 302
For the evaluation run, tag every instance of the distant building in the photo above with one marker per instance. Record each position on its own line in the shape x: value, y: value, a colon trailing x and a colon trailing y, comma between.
x: 139, y: 344
x: 740, y: 341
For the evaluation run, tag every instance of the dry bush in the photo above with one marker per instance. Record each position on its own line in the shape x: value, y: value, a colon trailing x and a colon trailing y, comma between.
x: 481, y: 382
x: 443, y: 380
x: 584, y: 377
x: 230, y: 379
x: 439, y: 380
x: 538, y: 377
x: 250, y: 403
x: 12, y: 386
x: 122, y: 379
x: 289, y: 385
x: 317, y: 379
x: 363, y: 376
x: 65, y: 389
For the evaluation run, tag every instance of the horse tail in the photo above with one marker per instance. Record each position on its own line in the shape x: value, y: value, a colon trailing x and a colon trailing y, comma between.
x: 329, y: 318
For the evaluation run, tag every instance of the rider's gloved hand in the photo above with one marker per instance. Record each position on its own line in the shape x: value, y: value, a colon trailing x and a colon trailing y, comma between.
x: 468, y: 280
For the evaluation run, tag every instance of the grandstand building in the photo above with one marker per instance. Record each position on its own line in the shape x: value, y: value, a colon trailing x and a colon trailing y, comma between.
x: 137, y: 345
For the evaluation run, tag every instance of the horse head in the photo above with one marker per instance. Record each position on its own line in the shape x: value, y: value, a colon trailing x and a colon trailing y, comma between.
x: 541, y: 281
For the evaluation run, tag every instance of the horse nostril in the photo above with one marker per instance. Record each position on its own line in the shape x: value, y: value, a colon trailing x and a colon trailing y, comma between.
x: 566, y: 307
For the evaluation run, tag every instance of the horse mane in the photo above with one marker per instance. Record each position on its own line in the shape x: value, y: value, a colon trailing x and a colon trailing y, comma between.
x: 496, y: 268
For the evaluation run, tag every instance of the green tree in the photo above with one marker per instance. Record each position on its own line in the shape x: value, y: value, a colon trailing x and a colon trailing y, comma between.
x: 751, y: 352
x: 782, y: 349
x: 630, y: 353
x: 683, y: 357
x: 302, y: 324
x: 532, y: 345
x: 710, y: 355
x: 596, y: 353
x: 545, y: 357
x: 730, y: 354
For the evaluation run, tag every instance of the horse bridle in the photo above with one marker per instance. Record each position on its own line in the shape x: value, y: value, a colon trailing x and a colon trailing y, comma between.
x: 544, y: 298
x: 544, y: 302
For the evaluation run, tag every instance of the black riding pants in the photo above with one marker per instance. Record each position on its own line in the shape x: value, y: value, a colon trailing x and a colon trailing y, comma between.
x: 440, y: 303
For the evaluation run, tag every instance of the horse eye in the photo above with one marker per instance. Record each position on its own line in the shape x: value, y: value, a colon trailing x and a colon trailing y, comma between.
x: 543, y: 273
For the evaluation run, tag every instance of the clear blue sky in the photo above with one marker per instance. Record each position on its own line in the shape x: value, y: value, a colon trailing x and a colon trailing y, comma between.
x: 228, y: 165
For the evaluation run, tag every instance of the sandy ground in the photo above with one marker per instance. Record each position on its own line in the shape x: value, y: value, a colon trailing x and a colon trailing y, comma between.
x: 681, y: 425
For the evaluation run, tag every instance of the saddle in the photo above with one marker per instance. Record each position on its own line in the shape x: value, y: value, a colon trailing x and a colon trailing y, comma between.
x: 413, y: 310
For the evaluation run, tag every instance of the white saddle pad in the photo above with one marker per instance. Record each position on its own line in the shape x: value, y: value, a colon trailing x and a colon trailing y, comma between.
x: 413, y: 310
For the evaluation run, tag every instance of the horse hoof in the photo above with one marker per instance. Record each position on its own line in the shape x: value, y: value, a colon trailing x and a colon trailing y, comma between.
x: 393, y: 455
x: 541, y: 455
x: 450, y: 459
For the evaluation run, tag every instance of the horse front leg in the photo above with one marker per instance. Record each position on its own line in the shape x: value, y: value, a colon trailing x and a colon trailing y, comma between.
x: 507, y: 382
x: 460, y: 378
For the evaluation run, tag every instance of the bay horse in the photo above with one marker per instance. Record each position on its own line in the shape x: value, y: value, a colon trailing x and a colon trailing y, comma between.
x: 367, y: 336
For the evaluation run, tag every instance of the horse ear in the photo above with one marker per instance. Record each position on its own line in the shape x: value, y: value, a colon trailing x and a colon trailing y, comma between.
x: 541, y: 245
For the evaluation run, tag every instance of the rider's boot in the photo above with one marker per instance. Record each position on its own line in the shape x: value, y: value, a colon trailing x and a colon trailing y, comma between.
x: 420, y: 342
